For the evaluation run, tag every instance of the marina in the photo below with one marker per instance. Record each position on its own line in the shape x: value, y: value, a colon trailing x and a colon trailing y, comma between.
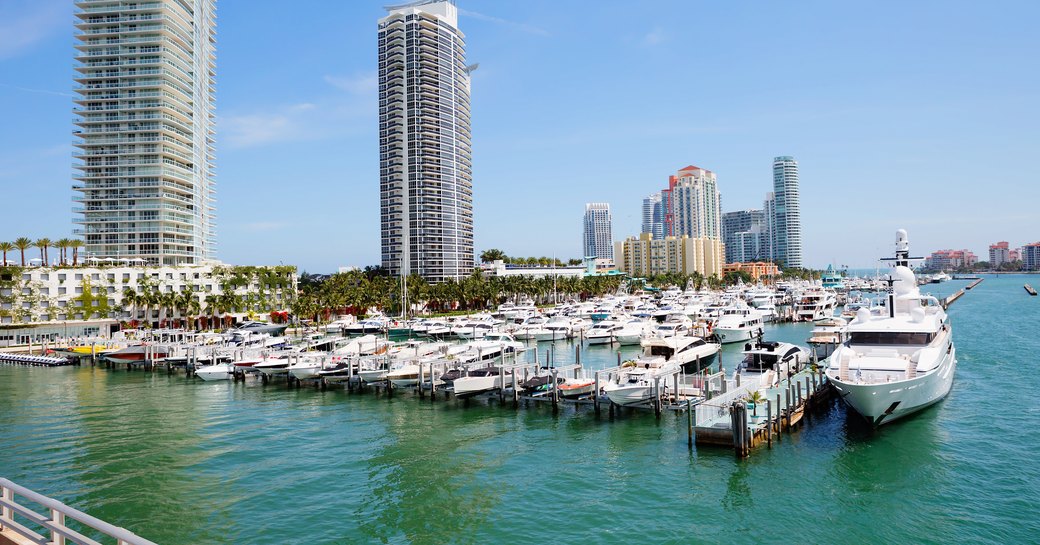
x: 374, y: 439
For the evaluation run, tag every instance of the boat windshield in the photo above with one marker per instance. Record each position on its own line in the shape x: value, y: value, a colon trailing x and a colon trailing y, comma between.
x: 660, y: 350
x: 902, y: 338
x: 759, y: 362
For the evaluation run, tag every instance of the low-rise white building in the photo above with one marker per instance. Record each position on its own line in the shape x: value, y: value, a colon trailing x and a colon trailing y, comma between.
x: 95, y: 299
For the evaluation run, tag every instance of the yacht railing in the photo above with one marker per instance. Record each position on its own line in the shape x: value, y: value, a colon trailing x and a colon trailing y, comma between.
x: 56, y: 532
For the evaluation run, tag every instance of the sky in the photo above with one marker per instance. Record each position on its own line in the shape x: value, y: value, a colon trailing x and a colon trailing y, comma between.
x: 919, y: 115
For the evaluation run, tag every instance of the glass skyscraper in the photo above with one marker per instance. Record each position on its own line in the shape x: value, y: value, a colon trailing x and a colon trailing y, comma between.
x: 787, y: 235
x: 145, y: 111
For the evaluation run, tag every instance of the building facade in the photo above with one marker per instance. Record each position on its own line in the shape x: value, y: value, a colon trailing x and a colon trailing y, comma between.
x: 145, y: 116
x: 787, y: 223
x: 653, y: 216
x: 696, y: 204
x: 644, y: 256
x: 162, y: 296
x: 999, y: 253
x: 943, y: 260
x: 744, y: 234
x: 425, y: 158
x: 598, y: 240
x: 755, y: 269
x: 1031, y: 257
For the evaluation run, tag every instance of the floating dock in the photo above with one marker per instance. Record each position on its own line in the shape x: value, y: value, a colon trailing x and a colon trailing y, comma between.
x: 974, y: 283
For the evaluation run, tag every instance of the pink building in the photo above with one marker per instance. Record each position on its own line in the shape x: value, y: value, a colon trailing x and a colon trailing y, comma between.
x: 950, y: 259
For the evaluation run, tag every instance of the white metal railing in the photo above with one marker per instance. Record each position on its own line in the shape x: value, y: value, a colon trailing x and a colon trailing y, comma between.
x: 717, y: 407
x: 56, y: 532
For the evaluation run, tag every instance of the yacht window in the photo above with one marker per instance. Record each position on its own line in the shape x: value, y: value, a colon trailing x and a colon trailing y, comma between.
x: 660, y: 351
x: 892, y: 338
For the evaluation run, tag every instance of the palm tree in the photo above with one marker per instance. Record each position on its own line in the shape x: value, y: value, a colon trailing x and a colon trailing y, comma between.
x: 131, y: 298
x: 5, y: 247
x: 62, y: 245
x: 75, y: 244
x: 43, y: 244
x: 755, y: 398
x: 23, y: 244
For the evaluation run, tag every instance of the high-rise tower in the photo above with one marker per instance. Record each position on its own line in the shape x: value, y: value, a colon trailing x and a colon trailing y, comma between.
x: 787, y: 247
x: 599, y: 239
x: 146, y: 77
x: 696, y: 204
x: 425, y: 174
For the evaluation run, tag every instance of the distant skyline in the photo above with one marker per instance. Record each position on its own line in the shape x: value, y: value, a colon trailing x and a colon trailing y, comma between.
x: 902, y: 115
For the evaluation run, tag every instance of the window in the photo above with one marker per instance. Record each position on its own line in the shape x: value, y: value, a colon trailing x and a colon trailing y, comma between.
x: 892, y: 338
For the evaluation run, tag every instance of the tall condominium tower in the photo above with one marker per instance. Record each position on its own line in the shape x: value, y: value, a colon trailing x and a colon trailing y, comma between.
x: 745, y: 234
x: 696, y: 204
x: 653, y: 216
x: 425, y: 174
x: 769, y: 237
x: 788, y: 235
x: 145, y: 115
x: 599, y: 241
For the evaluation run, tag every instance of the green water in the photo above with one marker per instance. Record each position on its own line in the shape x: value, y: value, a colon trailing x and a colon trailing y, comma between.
x: 186, y: 462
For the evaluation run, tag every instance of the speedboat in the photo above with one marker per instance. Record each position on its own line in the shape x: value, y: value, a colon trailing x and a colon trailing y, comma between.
x: 404, y: 375
x: 273, y: 366
x: 273, y: 330
x: 478, y: 381
x: 738, y: 324
x: 377, y: 324
x: 575, y: 388
x: 138, y: 353
x: 219, y: 371
x: 635, y: 384
x: 896, y: 364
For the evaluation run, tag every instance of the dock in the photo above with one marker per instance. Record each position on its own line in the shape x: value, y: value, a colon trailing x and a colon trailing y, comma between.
x: 1030, y: 290
x: 952, y: 298
x: 974, y: 283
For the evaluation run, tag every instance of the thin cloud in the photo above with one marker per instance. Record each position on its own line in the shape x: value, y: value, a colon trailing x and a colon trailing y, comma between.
x: 252, y: 130
x: 360, y: 84
x: 37, y: 91
x: 656, y: 36
x: 20, y: 31
x: 523, y: 27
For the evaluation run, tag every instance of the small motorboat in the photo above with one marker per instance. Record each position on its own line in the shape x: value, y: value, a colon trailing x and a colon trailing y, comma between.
x: 576, y: 388
x: 219, y: 371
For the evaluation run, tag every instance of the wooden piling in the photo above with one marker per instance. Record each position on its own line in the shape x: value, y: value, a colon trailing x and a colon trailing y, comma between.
x: 769, y: 423
x: 689, y: 423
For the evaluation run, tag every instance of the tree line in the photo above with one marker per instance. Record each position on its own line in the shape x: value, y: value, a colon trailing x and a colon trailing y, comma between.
x: 63, y: 246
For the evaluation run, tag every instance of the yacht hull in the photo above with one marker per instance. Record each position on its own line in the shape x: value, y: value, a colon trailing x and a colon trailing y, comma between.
x: 730, y: 336
x: 886, y: 402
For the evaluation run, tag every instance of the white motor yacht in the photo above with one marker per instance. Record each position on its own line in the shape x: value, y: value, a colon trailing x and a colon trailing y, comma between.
x: 738, y: 324
x: 632, y: 332
x: 899, y: 363
x: 690, y: 353
x: 604, y: 332
x: 479, y: 381
x: 814, y: 304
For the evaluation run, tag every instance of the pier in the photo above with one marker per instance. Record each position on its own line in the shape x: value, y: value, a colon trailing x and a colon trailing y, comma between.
x: 974, y: 283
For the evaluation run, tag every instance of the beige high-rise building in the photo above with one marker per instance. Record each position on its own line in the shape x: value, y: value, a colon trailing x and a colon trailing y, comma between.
x: 145, y: 112
x: 644, y: 256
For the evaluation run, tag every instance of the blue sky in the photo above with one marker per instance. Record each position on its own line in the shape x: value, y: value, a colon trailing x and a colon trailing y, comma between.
x: 922, y: 115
